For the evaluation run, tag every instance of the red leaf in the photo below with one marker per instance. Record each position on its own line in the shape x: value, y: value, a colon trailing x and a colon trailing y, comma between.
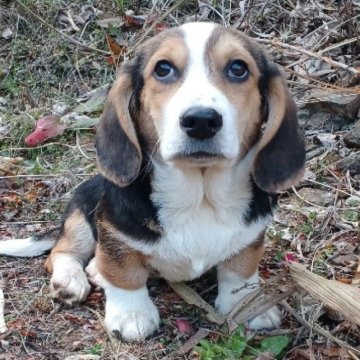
x: 290, y: 257
x: 184, y: 326
x: 47, y: 127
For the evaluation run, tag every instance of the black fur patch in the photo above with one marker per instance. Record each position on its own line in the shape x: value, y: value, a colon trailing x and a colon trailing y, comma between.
x: 261, y: 205
x: 284, y: 155
x: 116, y: 153
x: 86, y: 198
x: 131, y: 210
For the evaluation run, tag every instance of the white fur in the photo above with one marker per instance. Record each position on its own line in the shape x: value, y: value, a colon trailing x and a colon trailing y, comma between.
x: 270, y: 319
x: 197, y: 90
x: 202, y: 217
x: 68, y: 279
x: 25, y: 247
x: 129, y: 314
x: 232, y: 289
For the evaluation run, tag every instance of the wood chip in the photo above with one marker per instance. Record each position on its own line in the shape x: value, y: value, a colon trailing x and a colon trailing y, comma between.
x: 338, y: 296
x: 193, y: 298
x: 254, y: 305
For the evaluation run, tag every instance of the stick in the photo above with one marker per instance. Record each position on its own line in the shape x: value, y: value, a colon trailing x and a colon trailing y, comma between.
x: 318, y: 329
x: 310, y: 54
x: 153, y: 25
x: 67, y: 37
x: 193, y: 298
x: 341, y: 297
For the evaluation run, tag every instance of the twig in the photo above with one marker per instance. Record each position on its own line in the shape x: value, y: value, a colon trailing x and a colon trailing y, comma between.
x: 310, y: 54
x: 193, y: 298
x: 28, y: 222
x: 318, y: 328
x: 189, y: 344
x: 67, y: 37
x: 238, y: 24
x: 153, y: 25
x: 39, y: 176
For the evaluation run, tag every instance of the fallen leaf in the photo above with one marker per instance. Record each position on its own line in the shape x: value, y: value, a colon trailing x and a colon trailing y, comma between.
x: 74, y: 318
x: 113, y: 21
x: 183, y: 326
x: 95, y: 103
x: 135, y: 21
x: 47, y: 127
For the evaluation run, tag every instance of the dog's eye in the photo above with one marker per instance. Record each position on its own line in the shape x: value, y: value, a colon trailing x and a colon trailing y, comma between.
x: 237, y: 71
x: 164, y: 70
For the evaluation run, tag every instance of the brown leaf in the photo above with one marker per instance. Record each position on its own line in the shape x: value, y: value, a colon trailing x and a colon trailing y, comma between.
x: 74, y: 318
x: 115, y: 49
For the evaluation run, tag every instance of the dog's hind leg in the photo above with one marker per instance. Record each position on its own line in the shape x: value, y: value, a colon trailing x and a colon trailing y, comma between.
x: 74, y: 248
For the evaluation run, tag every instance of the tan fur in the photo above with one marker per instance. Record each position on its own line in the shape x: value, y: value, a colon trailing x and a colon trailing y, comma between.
x: 246, y: 262
x: 245, y: 97
x: 127, y: 270
x: 77, y: 240
x: 155, y: 94
x: 278, y: 96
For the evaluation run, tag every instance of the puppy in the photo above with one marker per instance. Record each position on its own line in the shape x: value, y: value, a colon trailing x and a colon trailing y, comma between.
x: 187, y: 177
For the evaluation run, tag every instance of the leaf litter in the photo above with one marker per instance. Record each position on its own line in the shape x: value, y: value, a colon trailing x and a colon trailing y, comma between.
x: 73, y: 53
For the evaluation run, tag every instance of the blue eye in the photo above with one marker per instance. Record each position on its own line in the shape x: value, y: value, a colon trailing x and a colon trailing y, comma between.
x: 237, y: 71
x: 164, y: 70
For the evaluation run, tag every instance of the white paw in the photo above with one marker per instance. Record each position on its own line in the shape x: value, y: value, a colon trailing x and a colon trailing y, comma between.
x: 69, y: 284
x: 224, y: 303
x: 93, y: 274
x: 270, y: 319
x: 130, y: 314
x: 232, y: 290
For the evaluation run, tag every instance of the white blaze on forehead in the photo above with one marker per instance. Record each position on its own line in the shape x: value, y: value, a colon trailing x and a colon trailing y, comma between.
x: 196, y: 37
x: 197, y: 89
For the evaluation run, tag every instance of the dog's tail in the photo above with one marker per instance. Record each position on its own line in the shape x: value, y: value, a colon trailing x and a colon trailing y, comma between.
x: 32, y: 246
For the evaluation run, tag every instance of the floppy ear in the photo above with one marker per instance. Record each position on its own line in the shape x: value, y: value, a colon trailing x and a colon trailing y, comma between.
x: 280, y: 159
x: 118, y: 149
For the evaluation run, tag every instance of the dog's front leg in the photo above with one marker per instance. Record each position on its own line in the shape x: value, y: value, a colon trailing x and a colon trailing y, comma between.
x: 73, y: 249
x: 129, y: 312
x: 237, y: 277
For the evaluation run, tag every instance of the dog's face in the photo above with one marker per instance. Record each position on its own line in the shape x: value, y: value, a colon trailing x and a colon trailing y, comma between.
x: 197, y: 96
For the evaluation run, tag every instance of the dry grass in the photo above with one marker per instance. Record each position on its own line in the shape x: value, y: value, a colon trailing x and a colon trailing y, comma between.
x: 41, y: 68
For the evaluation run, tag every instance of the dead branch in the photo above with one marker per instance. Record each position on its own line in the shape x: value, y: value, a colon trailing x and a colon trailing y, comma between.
x: 341, y: 297
x: 312, y: 54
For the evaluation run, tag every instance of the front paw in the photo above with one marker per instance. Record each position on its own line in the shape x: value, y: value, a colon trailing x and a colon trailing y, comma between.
x: 69, y: 285
x: 225, y: 303
x: 270, y: 319
x: 130, y: 324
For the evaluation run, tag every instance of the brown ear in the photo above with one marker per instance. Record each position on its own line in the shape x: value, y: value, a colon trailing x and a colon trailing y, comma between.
x: 118, y: 149
x: 280, y: 160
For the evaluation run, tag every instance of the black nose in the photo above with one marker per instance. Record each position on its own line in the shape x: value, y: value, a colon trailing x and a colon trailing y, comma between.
x: 201, y: 122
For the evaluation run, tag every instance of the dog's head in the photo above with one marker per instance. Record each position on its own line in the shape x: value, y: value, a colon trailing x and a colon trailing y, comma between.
x: 198, y: 95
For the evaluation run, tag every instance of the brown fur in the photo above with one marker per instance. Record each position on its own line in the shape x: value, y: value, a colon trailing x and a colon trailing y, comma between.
x: 76, y: 240
x: 246, y: 262
x: 224, y: 46
x: 119, y: 264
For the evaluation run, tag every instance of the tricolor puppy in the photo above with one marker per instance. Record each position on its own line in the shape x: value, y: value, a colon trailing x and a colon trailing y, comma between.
x: 187, y: 177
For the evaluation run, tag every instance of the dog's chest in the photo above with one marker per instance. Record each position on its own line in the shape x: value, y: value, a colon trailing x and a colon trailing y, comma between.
x: 203, y: 222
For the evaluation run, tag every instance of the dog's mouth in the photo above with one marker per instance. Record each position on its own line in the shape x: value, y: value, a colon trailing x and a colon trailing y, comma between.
x: 199, y: 158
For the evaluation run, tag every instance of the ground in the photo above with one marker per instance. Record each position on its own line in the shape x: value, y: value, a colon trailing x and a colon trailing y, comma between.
x: 53, y: 54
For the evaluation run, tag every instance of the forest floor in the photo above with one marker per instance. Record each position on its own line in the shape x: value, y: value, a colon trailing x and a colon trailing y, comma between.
x: 56, y: 55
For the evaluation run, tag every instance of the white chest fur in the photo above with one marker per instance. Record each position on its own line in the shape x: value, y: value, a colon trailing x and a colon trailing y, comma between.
x: 203, y: 219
